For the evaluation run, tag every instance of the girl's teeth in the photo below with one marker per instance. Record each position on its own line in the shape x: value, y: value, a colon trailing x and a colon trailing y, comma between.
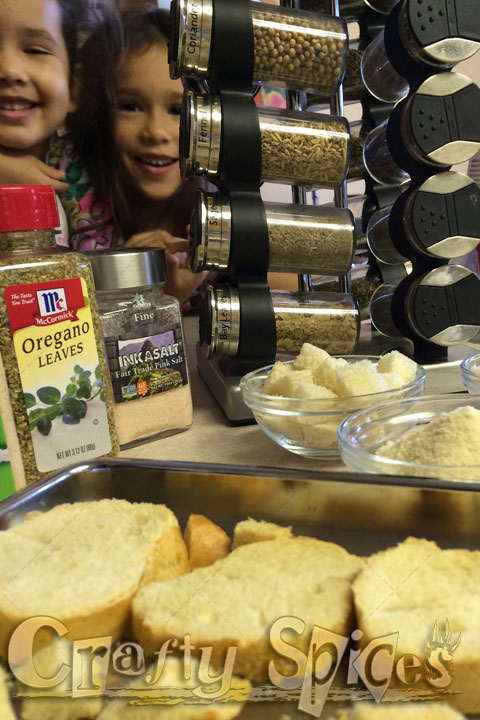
x: 15, y: 106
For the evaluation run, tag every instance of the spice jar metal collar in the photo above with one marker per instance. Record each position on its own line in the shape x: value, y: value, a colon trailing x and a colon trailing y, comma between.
x: 437, y: 120
x: 190, y: 37
x: 210, y: 233
x: 220, y: 321
x: 200, y: 134
x: 118, y: 269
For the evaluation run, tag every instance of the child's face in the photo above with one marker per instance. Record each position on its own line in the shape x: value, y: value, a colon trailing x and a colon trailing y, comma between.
x: 147, y: 123
x: 34, y: 74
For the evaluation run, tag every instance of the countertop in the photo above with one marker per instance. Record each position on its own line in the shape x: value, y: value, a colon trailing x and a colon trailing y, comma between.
x: 211, y: 438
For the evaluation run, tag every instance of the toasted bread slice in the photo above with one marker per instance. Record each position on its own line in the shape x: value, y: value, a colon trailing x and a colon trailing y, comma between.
x: 83, y: 563
x: 172, y: 685
x: 206, y: 542
x: 412, y: 590
x: 249, y: 531
x: 6, y: 710
x: 399, y: 711
x: 235, y: 601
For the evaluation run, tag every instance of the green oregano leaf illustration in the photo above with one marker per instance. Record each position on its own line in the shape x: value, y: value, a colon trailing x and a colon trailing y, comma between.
x: 29, y: 400
x: 49, y: 395
x: 44, y: 425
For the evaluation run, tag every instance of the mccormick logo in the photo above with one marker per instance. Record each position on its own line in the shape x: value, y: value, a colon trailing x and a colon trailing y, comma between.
x: 53, y: 307
x: 51, y: 301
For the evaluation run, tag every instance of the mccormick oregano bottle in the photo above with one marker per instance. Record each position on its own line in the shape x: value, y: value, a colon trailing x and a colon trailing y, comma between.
x: 56, y: 400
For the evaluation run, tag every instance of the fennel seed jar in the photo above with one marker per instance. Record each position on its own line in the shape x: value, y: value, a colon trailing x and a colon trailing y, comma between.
x: 55, y: 395
x: 292, y: 49
x: 303, y: 148
x: 301, y: 239
x: 328, y: 320
x: 145, y: 346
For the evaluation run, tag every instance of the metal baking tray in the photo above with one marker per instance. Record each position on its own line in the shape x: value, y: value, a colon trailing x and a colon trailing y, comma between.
x: 363, y: 513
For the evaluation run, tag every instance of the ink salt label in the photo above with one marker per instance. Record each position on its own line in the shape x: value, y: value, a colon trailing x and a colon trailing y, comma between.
x: 57, y: 355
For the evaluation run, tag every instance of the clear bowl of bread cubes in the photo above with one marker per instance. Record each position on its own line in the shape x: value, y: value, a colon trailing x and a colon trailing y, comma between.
x: 299, y: 404
x: 470, y: 368
x: 434, y: 436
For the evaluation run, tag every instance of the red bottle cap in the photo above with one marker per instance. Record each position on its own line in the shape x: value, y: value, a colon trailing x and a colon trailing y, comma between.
x: 27, y: 207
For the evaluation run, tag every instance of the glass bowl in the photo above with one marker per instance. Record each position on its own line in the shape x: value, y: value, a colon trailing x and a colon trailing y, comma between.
x: 360, y: 436
x: 309, y: 426
x: 470, y: 368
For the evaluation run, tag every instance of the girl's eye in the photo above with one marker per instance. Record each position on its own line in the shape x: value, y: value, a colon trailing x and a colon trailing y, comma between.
x: 37, y: 51
x: 175, y: 110
x: 128, y: 106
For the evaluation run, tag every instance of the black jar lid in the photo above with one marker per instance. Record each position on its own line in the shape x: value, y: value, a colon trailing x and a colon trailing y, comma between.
x: 443, y: 306
x: 442, y: 119
x: 129, y: 268
x: 447, y: 30
x: 443, y: 217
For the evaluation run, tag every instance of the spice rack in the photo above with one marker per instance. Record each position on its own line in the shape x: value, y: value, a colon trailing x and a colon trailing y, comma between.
x: 243, y: 325
x: 423, y: 117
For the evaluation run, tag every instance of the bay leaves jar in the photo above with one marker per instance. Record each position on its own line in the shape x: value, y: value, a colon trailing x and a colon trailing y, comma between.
x: 56, y: 400
x: 143, y: 334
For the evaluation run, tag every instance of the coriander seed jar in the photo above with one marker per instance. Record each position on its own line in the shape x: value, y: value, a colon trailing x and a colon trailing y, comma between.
x: 56, y: 401
x: 329, y: 320
x: 292, y: 49
x: 303, y: 148
x: 143, y: 334
x: 302, y: 238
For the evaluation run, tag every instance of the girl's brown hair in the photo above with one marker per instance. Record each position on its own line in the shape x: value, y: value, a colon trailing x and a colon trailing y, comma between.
x: 92, y: 123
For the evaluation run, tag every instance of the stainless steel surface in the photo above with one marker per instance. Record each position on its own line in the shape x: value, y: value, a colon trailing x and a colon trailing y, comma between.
x: 203, y: 118
x: 224, y: 388
x: 195, y: 22
x: 212, y: 248
x: 116, y: 269
x: 363, y: 513
x: 224, y: 304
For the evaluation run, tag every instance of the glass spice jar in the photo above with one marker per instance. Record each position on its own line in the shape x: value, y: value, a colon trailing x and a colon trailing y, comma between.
x: 143, y: 334
x: 430, y: 37
x: 435, y: 129
x: 296, y: 147
x: 292, y: 49
x: 328, y: 320
x: 56, y: 400
x: 351, y: 9
x: 438, y: 219
x: 301, y: 238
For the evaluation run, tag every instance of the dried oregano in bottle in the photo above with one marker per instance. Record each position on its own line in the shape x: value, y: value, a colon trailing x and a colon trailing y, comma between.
x: 55, y: 396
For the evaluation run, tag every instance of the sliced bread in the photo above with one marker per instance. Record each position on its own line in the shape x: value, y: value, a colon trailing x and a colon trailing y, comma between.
x: 249, y: 531
x: 409, y: 588
x: 235, y: 601
x: 172, y: 686
x: 206, y: 542
x: 82, y: 564
x: 6, y: 710
x: 398, y: 711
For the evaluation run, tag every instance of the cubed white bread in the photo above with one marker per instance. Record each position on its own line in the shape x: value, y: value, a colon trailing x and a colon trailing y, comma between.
x: 250, y: 531
x: 206, y: 542
x: 393, y: 379
x: 395, y: 361
x: 325, y: 373
x: 288, y: 426
x: 305, y: 389
x: 6, y: 710
x: 285, y: 384
x: 399, y: 711
x: 235, y: 601
x: 322, y: 435
x: 173, y: 685
x: 82, y: 563
x: 406, y: 589
x: 310, y: 357
x: 278, y: 369
x: 359, y: 378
